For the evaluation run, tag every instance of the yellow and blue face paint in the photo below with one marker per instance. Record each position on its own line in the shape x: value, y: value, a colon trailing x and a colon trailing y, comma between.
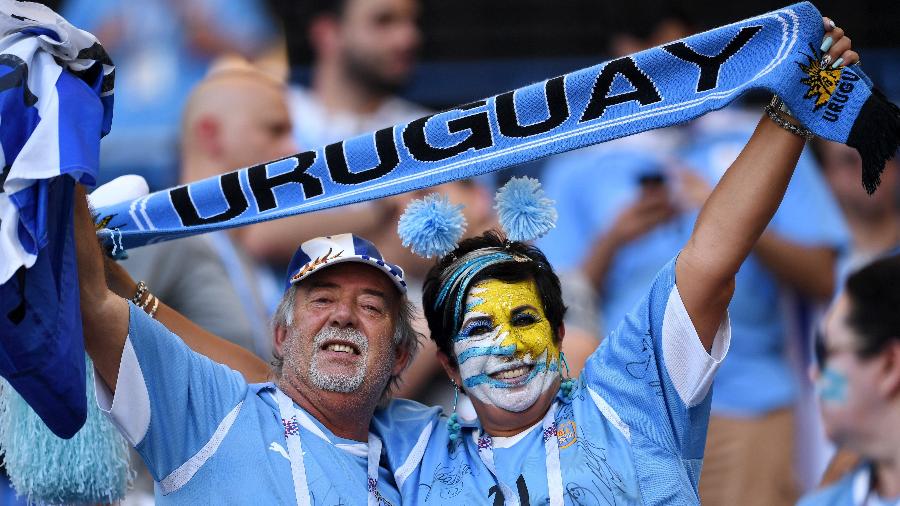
x: 505, y: 348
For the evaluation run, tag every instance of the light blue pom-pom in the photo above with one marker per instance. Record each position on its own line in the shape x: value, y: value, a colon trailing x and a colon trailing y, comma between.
x: 525, y: 213
x: 92, y: 467
x: 431, y: 226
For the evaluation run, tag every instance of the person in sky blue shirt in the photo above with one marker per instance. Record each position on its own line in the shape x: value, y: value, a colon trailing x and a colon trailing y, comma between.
x: 643, y: 212
x: 857, y: 378
x: 342, y: 336
x: 632, y: 428
x: 637, y: 413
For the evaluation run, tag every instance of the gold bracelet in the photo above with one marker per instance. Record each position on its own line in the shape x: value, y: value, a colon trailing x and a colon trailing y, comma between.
x: 147, y: 301
x: 152, y: 312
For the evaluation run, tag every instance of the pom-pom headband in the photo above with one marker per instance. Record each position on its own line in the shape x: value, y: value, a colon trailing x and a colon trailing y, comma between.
x: 525, y: 213
x: 432, y: 226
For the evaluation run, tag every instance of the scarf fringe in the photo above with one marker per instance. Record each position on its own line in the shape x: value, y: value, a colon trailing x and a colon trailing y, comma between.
x: 90, y: 468
x: 876, y: 135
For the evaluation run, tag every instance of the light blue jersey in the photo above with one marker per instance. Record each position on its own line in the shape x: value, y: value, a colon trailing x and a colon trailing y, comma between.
x: 632, y: 431
x: 209, y: 437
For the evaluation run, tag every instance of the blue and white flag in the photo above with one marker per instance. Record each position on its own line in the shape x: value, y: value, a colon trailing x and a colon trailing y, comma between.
x: 56, y: 90
x: 655, y: 88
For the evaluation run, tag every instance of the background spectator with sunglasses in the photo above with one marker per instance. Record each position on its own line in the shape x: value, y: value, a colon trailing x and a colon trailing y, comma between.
x: 858, y: 384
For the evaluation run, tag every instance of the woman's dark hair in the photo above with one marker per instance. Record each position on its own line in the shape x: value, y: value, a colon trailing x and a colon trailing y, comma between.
x: 441, y: 320
x: 874, y: 294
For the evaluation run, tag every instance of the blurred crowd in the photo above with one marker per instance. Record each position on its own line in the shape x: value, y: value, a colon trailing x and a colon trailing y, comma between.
x: 202, y: 86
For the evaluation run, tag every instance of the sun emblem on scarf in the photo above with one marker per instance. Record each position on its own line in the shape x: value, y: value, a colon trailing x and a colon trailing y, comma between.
x: 103, y: 222
x: 820, y: 79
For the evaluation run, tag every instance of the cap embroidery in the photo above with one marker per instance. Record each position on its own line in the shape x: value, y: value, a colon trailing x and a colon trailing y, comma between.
x: 318, y: 262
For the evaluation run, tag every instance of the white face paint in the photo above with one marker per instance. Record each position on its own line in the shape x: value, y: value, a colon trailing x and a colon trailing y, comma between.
x: 505, y: 348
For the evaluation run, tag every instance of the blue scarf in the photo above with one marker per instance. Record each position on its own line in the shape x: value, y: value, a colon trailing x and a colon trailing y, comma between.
x: 655, y: 88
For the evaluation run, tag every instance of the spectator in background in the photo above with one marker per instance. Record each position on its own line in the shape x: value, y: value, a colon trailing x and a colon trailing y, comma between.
x: 858, y: 383
x: 640, y: 213
x: 364, y: 52
x: 874, y: 220
x: 162, y: 48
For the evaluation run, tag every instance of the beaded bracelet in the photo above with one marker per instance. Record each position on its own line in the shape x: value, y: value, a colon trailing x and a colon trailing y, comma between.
x: 139, y: 294
x: 147, y: 301
x: 775, y: 109
x: 152, y: 303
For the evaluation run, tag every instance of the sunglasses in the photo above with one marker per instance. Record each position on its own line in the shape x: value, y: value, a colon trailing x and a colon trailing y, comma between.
x: 820, y: 350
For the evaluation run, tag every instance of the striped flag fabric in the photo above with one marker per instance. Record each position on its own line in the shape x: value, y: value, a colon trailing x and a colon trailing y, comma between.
x: 56, y: 93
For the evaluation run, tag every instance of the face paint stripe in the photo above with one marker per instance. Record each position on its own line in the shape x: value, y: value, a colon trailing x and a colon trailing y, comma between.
x: 480, y: 351
x: 473, y: 304
x: 485, y: 379
x: 832, y: 386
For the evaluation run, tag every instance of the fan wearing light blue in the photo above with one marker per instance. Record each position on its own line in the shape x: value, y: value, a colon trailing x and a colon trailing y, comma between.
x: 632, y: 428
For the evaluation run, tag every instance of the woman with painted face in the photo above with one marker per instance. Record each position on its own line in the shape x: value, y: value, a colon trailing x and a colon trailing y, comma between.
x: 858, y: 383
x: 632, y: 428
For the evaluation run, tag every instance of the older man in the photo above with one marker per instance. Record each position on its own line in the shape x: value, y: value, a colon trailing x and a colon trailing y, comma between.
x: 342, y: 336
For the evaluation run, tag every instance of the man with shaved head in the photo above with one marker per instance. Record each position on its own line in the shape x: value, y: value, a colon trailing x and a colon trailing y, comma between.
x: 237, y: 116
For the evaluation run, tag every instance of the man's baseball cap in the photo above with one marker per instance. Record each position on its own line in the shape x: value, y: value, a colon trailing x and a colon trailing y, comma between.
x: 321, y: 252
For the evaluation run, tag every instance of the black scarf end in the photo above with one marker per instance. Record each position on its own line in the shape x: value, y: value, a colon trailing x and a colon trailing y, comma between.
x: 876, y: 135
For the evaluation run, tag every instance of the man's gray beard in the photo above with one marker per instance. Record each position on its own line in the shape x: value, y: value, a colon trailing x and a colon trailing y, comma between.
x: 339, y: 382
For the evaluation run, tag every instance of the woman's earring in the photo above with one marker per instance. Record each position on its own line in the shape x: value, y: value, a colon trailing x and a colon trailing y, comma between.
x: 567, y: 384
x: 453, y: 425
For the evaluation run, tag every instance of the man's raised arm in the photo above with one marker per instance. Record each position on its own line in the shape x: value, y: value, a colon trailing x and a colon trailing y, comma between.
x: 104, y: 312
x: 104, y: 315
x: 738, y: 211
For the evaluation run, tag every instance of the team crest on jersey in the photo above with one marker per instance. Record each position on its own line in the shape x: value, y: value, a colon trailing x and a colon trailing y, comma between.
x: 565, y: 434
x: 821, y: 80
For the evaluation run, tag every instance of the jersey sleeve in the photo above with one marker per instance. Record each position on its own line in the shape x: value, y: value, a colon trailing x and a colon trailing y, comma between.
x: 652, y: 374
x: 170, y: 403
